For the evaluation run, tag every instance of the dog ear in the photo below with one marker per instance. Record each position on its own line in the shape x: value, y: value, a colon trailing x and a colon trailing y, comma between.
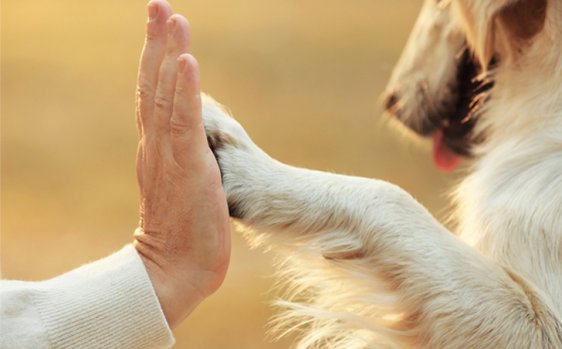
x: 484, y: 20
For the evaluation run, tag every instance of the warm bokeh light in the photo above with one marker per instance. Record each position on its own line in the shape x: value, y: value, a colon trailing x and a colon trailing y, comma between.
x: 303, y: 77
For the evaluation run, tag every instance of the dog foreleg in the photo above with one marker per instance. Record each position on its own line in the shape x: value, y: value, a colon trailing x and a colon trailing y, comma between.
x: 369, y: 265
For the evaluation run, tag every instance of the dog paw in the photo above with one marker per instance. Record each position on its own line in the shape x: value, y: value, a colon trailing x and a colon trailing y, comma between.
x: 223, y: 131
x: 239, y: 159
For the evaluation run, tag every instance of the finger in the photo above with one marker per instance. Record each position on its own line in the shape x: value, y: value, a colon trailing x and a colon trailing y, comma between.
x: 151, y: 58
x: 186, y: 125
x: 178, y: 42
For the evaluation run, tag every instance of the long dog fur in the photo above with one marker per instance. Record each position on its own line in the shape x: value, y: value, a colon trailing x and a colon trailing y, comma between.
x: 366, y: 265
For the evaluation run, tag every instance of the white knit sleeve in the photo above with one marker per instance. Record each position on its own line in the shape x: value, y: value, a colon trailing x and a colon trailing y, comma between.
x: 109, y: 303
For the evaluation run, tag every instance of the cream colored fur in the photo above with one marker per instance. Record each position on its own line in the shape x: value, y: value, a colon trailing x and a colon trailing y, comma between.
x: 367, y: 266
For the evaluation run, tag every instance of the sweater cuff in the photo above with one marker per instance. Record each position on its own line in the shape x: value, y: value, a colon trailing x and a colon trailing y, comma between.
x: 109, y: 303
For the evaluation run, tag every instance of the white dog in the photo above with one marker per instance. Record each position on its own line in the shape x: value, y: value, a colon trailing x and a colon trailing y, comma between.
x: 369, y: 267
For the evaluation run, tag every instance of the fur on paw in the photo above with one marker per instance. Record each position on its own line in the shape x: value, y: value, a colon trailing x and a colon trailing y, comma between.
x: 222, y: 130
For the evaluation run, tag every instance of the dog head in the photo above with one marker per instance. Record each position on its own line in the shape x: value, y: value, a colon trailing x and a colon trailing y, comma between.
x: 445, y: 74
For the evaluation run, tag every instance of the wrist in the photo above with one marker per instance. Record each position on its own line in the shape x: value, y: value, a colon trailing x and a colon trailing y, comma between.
x: 174, y: 289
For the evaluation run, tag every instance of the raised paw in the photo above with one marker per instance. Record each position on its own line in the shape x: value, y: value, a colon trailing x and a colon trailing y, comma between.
x: 222, y: 130
x: 239, y: 159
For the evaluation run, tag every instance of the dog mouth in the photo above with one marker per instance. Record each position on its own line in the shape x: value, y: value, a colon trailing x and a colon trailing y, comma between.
x: 450, y: 122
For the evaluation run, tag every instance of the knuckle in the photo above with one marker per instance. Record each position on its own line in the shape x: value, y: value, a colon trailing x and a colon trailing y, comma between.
x: 152, y: 33
x: 181, y: 88
x: 162, y: 102
x: 145, y: 91
x: 178, y: 127
x: 150, y: 36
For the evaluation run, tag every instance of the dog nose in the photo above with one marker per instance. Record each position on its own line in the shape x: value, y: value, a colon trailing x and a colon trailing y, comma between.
x: 391, y: 103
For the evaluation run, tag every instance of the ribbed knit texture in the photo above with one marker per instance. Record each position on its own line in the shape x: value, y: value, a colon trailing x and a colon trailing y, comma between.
x: 109, y: 303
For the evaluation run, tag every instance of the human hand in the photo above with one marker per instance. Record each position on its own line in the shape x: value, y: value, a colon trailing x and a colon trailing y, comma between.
x: 184, y: 233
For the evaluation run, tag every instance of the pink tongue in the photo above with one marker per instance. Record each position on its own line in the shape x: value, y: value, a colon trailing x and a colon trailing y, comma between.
x: 444, y: 159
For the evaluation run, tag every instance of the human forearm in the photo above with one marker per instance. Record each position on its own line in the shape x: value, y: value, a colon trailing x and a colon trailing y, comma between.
x: 109, y: 303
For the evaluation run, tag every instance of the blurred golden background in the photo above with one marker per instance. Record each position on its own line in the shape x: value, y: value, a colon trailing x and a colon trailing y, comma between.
x: 303, y: 76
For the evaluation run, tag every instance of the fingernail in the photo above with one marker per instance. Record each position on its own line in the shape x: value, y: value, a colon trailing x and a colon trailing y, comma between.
x: 171, y: 23
x: 182, y: 63
x: 152, y: 10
